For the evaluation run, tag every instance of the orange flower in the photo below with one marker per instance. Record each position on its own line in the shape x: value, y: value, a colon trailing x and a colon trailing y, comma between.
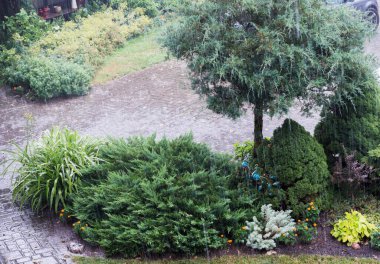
x: 315, y: 225
x: 230, y: 241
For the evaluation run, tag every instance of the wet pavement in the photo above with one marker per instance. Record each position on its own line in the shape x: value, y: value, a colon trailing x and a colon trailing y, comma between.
x: 156, y: 100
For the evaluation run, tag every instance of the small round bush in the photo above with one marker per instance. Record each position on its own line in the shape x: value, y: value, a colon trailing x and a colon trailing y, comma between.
x: 299, y: 162
x: 167, y: 196
x: 50, y: 77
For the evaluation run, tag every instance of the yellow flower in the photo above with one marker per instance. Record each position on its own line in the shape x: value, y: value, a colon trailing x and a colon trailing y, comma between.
x: 221, y: 236
x: 230, y: 241
x: 244, y: 228
x: 306, y: 228
x: 82, y: 229
x: 312, y: 203
x: 307, y: 219
x: 60, y: 215
x: 86, y: 225
x: 69, y: 216
x: 63, y: 210
x: 283, y: 235
x: 294, y: 229
x: 74, y: 224
x: 299, y: 221
x: 78, y: 222
x: 315, y: 225
x: 295, y: 234
x: 308, y: 209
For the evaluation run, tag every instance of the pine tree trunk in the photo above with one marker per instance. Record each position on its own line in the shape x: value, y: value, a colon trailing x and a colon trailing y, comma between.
x: 9, y: 8
x: 258, y: 132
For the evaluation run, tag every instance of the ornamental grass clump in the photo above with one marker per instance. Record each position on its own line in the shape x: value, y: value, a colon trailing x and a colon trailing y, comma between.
x: 161, y: 196
x: 48, y: 170
x: 271, y: 225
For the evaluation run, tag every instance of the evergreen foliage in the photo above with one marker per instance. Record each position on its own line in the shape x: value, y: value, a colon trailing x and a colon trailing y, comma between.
x: 271, y: 226
x: 299, y: 162
x: 155, y: 197
x: 268, y: 52
x: 354, y: 128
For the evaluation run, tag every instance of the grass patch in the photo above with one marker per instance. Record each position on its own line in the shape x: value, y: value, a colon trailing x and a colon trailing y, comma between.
x: 137, y: 54
x: 236, y: 259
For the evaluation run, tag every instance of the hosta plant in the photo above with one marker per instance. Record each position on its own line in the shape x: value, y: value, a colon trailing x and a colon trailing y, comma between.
x: 271, y: 225
x: 49, y: 169
x: 353, y: 228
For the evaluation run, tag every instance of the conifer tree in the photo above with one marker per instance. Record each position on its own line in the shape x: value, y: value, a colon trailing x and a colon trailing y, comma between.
x: 267, y: 53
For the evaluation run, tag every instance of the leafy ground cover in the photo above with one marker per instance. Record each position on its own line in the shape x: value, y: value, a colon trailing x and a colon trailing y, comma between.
x: 236, y: 259
x: 137, y: 54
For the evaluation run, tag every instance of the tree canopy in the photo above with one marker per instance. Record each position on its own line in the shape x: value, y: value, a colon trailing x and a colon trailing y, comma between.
x: 267, y: 53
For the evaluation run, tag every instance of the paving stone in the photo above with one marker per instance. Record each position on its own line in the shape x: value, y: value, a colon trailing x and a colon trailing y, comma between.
x: 36, y: 257
x: 22, y: 260
x: 48, y: 260
x: 25, y: 238
x: 13, y: 255
x: 44, y: 250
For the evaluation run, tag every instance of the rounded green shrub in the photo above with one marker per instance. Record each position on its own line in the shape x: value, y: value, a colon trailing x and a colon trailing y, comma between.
x: 156, y: 197
x: 299, y: 162
x: 49, y: 77
x: 352, y: 128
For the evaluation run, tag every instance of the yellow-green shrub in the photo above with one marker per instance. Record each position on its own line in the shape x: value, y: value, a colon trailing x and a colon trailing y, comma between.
x: 94, y: 37
x: 353, y: 228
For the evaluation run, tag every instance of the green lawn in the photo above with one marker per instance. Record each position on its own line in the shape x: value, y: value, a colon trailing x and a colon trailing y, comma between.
x: 305, y: 259
x: 137, y: 54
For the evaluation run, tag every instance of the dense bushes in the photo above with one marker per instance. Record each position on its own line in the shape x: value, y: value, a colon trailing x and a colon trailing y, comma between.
x: 50, y: 169
x: 299, y: 162
x: 17, y: 33
x: 355, y: 127
x: 154, y: 197
x: 59, y: 62
x: 91, y: 39
x: 48, y: 77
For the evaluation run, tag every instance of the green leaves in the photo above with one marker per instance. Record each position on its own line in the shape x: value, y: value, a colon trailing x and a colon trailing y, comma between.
x: 50, y: 168
x: 270, y: 52
x: 353, y: 228
x: 299, y: 162
x: 160, y: 196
